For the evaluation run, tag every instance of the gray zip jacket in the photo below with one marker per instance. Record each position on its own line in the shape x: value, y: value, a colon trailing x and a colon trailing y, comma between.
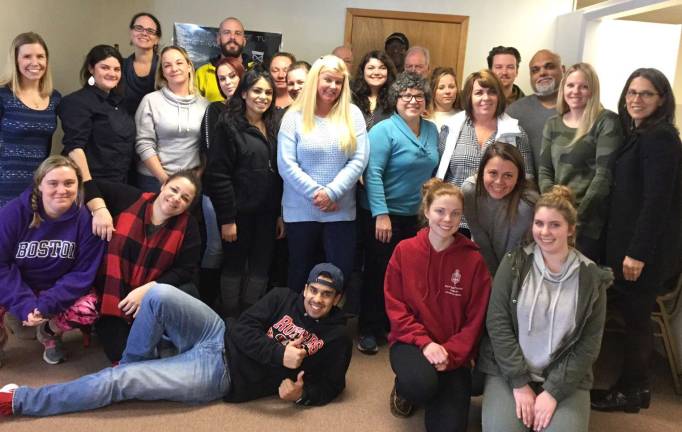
x: 571, y: 365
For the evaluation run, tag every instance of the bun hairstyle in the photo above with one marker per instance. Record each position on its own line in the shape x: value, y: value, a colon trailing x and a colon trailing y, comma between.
x: 436, y: 188
x: 561, y: 199
x: 52, y: 162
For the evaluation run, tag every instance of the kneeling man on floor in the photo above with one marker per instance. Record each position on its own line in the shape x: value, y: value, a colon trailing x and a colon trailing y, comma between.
x: 288, y: 344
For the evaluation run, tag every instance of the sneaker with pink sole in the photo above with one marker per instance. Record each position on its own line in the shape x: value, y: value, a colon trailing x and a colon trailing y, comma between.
x: 53, y: 354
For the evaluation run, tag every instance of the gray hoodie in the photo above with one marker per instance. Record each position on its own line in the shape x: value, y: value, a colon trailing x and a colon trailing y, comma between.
x: 546, y: 310
x: 169, y: 127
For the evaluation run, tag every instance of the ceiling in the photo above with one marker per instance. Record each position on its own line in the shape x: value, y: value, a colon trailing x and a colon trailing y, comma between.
x: 669, y: 15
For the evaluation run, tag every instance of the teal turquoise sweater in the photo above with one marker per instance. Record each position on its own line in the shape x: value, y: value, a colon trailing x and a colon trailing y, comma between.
x: 399, y: 163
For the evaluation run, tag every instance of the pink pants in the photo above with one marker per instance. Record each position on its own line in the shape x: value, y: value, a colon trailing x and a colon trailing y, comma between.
x: 82, y: 313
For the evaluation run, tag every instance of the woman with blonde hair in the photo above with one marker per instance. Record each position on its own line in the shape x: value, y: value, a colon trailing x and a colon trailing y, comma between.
x: 169, y: 122
x: 49, y: 257
x: 322, y: 151
x: 445, y: 102
x: 27, y: 113
x: 576, y: 146
x: 544, y: 327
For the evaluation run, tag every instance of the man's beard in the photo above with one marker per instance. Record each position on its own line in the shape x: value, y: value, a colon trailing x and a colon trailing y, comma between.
x: 224, y: 50
x: 545, y: 89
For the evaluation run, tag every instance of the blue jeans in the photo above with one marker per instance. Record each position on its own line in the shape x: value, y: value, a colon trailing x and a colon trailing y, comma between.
x: 197, y: 374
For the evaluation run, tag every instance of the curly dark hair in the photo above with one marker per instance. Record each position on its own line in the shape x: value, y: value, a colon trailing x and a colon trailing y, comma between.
x: 235, y: 114
x: 409, y: 80
x: 361, y: 90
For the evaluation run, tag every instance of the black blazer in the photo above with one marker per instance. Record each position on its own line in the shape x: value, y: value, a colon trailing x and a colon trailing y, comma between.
x: 645, y: 214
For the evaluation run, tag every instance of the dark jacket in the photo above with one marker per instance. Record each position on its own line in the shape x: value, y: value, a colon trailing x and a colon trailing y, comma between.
x: 571, y: 365
x: 97, y: 123
x: 241, y: 176
x: 256, y: 342
x: 645, y: 215
x: 136, y: 87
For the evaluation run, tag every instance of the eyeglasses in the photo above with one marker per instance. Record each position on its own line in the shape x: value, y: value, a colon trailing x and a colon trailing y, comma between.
x: 645, y: 95
x: 408, y: 97
x: 150, y: 31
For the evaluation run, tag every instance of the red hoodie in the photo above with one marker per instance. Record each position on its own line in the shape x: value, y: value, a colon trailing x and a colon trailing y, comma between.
x: 437, y: 297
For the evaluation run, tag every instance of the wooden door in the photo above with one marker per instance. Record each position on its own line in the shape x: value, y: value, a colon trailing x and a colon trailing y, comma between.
x: 444, y: 35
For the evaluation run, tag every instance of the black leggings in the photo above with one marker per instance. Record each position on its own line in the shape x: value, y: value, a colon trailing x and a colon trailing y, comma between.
x: 373, y: 320
x: 444, y: 395
x: 635, y: 308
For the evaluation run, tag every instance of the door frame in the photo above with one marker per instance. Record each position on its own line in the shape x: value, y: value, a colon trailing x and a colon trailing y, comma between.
x: 412, y: 16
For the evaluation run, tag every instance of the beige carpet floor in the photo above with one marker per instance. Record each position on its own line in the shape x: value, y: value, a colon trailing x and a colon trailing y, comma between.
x: 362, y: 407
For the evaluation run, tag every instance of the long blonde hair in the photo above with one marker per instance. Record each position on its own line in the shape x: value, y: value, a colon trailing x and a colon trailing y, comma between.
x: 160, y: 80
x: 12, y: 74
x: 593, y: 107
x: 340, y: 116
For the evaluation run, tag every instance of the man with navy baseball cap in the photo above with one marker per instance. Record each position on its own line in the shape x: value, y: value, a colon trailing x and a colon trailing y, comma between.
x: 290, y: 344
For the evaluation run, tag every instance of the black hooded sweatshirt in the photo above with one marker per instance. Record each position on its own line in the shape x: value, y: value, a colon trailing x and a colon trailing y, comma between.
x: 255, y: 346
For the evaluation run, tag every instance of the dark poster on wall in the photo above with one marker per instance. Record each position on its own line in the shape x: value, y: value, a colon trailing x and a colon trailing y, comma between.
x: 200, y: 43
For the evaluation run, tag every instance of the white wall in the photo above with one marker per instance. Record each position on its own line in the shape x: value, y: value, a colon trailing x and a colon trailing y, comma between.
x: 616, y: 48
x: 313, y: 28
x: 309, y: 29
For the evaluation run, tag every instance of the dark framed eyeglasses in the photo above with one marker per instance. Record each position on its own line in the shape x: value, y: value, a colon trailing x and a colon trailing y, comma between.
x: 645, y: 95
x: 406, y: 97
x: 148, y: 30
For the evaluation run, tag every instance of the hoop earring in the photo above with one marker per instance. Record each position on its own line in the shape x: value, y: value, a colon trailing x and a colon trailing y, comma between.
x: 91, y: 80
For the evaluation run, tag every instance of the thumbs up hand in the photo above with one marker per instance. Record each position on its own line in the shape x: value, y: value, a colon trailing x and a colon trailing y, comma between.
x: 294, y: 354
x: 290, y: 390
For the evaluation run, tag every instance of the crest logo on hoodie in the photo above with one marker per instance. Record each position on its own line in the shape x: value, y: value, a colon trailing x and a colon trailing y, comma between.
x: 454, y: 289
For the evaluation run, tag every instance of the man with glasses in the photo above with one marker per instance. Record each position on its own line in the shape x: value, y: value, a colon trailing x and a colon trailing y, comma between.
x: 533, y: 111
x: 231, y: 39
x: 290, y: 344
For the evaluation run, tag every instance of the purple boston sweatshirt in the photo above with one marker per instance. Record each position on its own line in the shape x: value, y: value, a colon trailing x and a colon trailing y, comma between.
x: 48, y: 267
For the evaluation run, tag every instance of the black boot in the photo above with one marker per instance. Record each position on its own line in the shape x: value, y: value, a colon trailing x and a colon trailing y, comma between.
x: 615, y: 399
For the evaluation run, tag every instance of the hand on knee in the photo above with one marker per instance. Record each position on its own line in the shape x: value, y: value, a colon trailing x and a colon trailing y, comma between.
x: 545, y: 404
x: 524, y: 397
